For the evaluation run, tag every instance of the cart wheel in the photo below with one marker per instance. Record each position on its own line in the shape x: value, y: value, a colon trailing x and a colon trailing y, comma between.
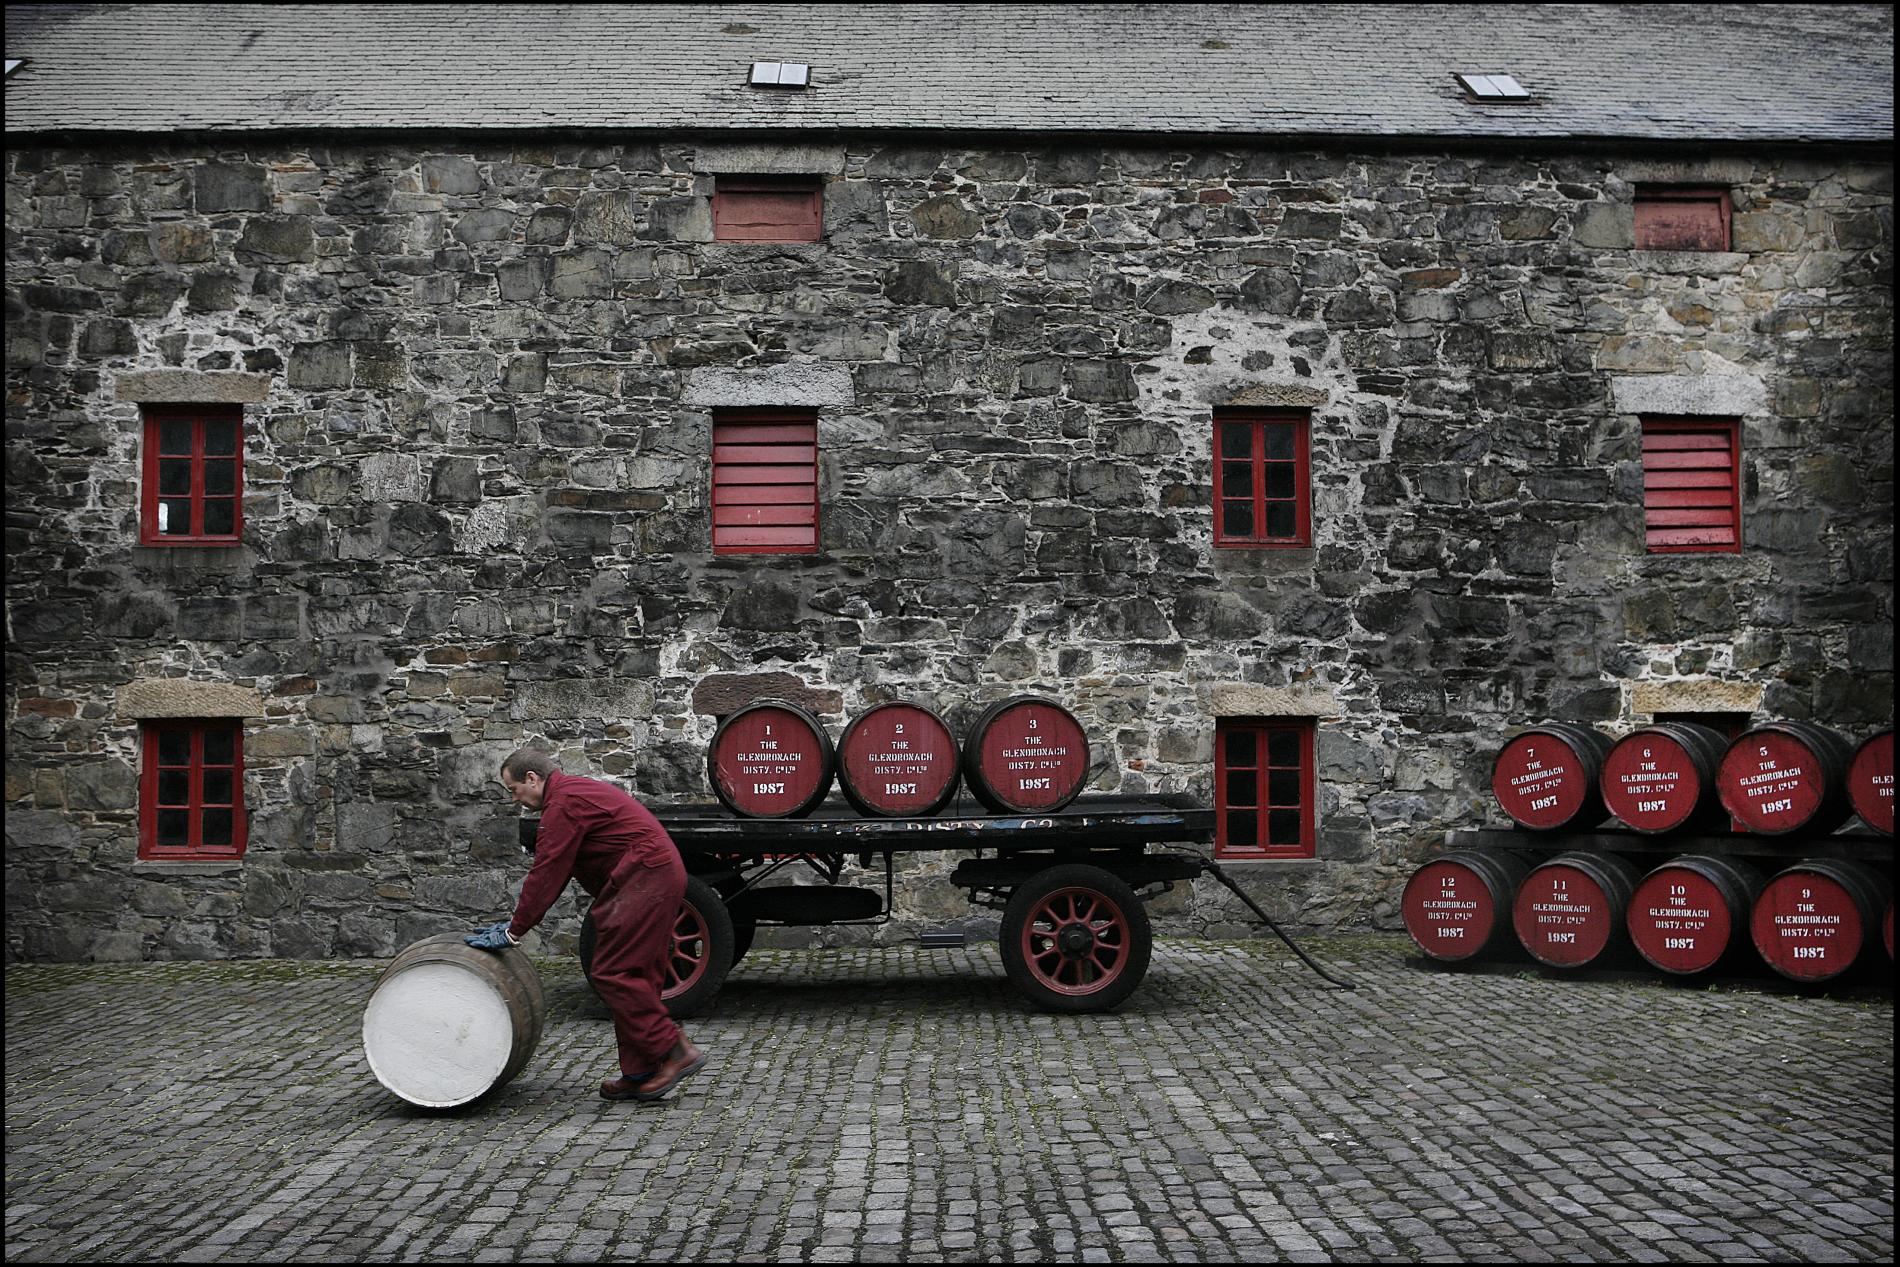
x: 1075, y: 939
x: 699, y: 954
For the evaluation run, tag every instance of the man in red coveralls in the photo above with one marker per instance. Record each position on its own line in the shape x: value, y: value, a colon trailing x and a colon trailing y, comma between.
x: 602, y: 837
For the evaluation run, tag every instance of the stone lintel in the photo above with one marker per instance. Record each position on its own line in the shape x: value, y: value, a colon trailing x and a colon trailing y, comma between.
x: 769, y: 158
x: 796, y: 386
x: 1716, y: 173
x: 192, y: 387
x: 1715, y: 395
x: 1270, y: 396
x: 722, y: 694
x: 1246, y: 699
x: 178, y: 697
x: 1699, y: 695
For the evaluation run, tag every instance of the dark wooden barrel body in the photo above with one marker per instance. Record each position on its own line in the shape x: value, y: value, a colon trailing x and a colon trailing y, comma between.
x: 1787, y: 776
x: 1692, y: 912
x: 771, y: 759
x: 1546, y: 779
x: 1661, y: 778
x: 1458, y: 906
x: 1812, y: 921
x: 1870, y: 781
x: 1570, y: 910
x: 448, y: 1024
x: 898, y: 760
x: 1026, y: 755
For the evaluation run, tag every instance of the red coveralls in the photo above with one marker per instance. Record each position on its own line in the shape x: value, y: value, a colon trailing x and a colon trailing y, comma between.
x: 608, y: 841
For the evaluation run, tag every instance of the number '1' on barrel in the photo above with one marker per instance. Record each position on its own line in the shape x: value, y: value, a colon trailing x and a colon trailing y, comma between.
x: 898, y: 760
x: 1026, y: 755
x: 770, y: 759
x: 1787, y: 776
x: 1546, y: 778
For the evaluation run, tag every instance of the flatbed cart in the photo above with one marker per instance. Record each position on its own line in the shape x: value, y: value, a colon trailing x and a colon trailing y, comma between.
x: 1071, y: 886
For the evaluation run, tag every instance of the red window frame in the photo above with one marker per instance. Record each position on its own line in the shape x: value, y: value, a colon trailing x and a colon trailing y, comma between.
x: 191, y: 786
x: 1263, y: 479
x: 765, y: 481
x: 176, y: 437
x: 768, y: 208
x: 1692, y: 481
x: 1265, y: 789
x: 1655, y: 224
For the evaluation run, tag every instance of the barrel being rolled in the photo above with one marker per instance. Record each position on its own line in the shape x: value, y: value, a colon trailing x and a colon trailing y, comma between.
x: 1662, y: 778
x: 1026, y: 755
x: 770, y: 759
x: 447, y: 1023
x: 1546, y: 779
x: 898, y: 760
x: 1689, y: 914
x: 1787, y: 776
x: 1570, y: 911
x: 1813, y: 920
x: 1457, y: 906
x: 1870, y: 781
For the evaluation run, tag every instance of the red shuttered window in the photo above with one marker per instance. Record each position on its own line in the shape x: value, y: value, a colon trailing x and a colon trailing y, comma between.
x: 193, y: 475
x: 1692, y: 478
x: 1682, y: 219
x: 768, y: 209
x: 1264, y: 789
x: 765, y: 481
x: 191, y: 790
x: 1262, y: 479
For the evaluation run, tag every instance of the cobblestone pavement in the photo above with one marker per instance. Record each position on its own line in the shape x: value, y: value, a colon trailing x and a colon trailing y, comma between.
x: 901, y: 1103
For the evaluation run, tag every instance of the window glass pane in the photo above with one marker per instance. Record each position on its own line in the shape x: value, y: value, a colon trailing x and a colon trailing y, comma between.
x: 220, y: 477
x: 174, y: 747
x: 1283, y: 827
x: 1283, y: 787
x: 218, y: 746
x: 217, y: 789
x: 1236, y: 440
x: 1236, y: 479
x: 174, y: 787
x: 1279, y: 440
x: 220, y: 516
x: 1279, y: 479
x: 1236, y: 519
x: 1281, y: 521
x: 1240, y: 748
x: 1243, y: 829
x: 174, y: 436
x: 174, y: 826
x: 174, y: 476
x: 1243, y: 787
x: 217, y: 827
x: 174, y: 518
x: 221, y: 437
x: 1283, y: 747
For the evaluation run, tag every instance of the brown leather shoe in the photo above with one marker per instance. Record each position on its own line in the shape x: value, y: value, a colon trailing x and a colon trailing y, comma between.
x: 622, y: 1088
x: 684, y: 1061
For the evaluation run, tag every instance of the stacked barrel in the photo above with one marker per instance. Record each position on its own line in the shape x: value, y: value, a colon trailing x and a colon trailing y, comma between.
x: 773, y: 759
x: 1761, y: 803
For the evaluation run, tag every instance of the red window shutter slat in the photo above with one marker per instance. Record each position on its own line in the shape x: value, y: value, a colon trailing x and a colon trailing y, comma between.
x: 767, y: 495
x: 1688, y: 479
x: 1699, y: 460
x: 762, y: 475
x: 768, y: 433
x: 759, y: 516
x: 1675, y: 498
x: 1683, y: 517
x: 763, y: 454
x: 1659, y: 442
x: 1692, y: 537
x: 786, y: 538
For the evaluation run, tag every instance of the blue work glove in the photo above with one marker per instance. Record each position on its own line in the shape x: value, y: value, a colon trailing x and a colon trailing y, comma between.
x: 493, y: 937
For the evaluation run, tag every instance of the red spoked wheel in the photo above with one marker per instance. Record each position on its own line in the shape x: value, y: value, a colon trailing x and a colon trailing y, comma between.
x: 1075, y: 939
x: 699, y: 951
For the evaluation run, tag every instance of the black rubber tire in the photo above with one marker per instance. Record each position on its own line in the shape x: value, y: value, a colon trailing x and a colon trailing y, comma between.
x: 1096, y: 977
x: 715, y: 945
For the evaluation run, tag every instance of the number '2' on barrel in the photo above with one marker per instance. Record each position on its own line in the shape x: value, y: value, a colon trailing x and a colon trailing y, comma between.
x: 898, y: 760
x: 1546, y: 778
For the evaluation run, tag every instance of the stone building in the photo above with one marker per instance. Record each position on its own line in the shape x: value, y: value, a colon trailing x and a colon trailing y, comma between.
x: 1224, y: 372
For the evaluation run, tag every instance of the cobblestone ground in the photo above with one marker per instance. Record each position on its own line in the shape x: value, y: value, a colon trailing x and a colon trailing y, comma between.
x: 901, y: 1103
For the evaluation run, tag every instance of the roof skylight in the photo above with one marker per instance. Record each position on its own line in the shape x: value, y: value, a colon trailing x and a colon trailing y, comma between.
x: 780, y: 75
x: 1494, y: 88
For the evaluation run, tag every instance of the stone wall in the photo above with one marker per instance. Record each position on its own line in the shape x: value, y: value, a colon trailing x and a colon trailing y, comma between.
x: 479, y: 378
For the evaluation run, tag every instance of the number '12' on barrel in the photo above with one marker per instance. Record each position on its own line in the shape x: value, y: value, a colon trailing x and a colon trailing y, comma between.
x: 898, y: 760
x: 1026, y: 755
x: 770, y: 759
x: 1546, y: 778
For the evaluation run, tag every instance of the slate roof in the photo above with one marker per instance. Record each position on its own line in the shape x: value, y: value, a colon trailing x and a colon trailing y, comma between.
x: 1735, y: 72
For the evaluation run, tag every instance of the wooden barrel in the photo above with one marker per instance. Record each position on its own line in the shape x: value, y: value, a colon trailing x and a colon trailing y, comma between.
x: 1870, y: 781
x: 1787, y: 776
x: 447, y: 1023
x: 1456, y: 905
x: 770, y: 759
x: 898, y: 760
x: 1690, y: 913
x: 1570, y: 911
x: 1812, y: 921
x: 1546, y: 779
x: 1662, y: 778
x: 1026, y: 755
